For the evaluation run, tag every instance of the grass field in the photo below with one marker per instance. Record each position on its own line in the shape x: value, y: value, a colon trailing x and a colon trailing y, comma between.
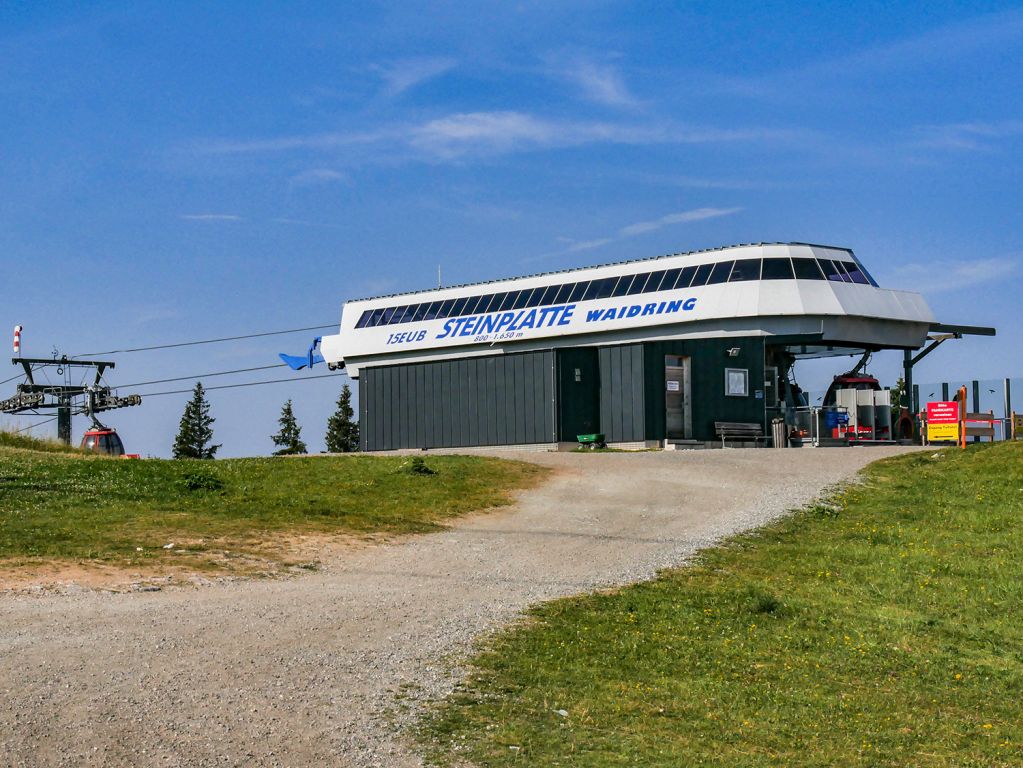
x: 115, y: 511
x: 16, y: 440
x: 879, y: 628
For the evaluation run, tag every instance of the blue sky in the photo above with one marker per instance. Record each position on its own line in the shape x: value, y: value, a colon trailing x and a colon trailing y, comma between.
x: 174, y: 171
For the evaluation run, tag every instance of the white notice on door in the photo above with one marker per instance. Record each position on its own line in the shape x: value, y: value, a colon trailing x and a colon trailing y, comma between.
x: 673, y: 386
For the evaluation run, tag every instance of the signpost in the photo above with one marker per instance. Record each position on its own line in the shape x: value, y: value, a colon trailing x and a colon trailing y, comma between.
x: 943, y: 422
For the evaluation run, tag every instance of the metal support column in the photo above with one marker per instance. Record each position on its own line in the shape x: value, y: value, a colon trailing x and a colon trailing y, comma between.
x: 976, y: 402
x: 64, y: 420
x: 907, y: 380
x: 1007, y: 413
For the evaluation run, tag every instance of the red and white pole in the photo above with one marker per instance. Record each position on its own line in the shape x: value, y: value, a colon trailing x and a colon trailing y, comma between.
x: 17, y: 339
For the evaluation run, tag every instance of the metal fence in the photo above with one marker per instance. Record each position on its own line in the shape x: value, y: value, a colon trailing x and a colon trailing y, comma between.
x: 999, y: 396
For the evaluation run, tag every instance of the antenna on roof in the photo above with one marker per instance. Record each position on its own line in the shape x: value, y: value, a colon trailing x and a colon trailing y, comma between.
x: 439, y: 283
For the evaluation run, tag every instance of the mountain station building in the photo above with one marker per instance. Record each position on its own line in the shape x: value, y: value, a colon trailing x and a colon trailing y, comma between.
x: 648, y: 352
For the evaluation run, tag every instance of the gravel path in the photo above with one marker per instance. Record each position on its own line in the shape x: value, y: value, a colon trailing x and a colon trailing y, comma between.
x: 305, y: 671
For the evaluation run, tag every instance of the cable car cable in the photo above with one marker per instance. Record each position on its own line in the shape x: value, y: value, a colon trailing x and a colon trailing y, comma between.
x: 32, y: 426
x: 235, y: 386
x: 202, y: 376
x: 207, y: 341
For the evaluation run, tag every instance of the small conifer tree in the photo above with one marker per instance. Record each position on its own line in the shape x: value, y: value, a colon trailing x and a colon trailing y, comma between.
x: 289, y: 438
x: 342, y: 431
x: 195, y: 432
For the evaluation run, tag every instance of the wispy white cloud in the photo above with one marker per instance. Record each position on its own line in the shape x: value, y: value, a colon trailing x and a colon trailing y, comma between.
x: 938, y: 45
x: 317, y: 176
x: 403, y: 74
x: 598, y: 82
x: 152, y: 314
x: 697, y: 182
x: 643, y: 227
x: 303, y: 223
x: 943, y: 42
x: 588, y: 245
x: 941, y: 277
x: 210, y: 217
x: 493, y: 133
x: 968, y: 136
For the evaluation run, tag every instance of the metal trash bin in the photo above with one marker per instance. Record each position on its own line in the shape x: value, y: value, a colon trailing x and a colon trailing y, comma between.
x: 779, y: 433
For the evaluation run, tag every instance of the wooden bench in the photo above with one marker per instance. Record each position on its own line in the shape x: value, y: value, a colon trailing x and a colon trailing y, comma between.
x: 739, y: 430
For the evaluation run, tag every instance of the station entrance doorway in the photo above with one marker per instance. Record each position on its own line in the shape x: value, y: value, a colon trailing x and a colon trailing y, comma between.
x: 678, y: 398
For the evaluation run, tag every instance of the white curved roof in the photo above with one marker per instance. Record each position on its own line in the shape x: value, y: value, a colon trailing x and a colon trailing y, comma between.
x: 764, y: 289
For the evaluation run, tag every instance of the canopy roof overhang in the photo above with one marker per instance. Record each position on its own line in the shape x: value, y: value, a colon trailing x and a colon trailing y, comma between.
x: 962, y: 330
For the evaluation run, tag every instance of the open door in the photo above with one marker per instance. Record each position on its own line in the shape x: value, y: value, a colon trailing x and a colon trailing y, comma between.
x: 677, y: 398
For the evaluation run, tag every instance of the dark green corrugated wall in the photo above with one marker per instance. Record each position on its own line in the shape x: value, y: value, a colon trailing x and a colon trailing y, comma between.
x: 709, y: 359
x: 622, y: 393
x: 632, y: 386
x: 495, y: 400
x: 510, y: 399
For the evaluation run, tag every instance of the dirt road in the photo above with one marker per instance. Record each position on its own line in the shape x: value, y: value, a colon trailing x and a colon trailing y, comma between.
x: 305, y: 671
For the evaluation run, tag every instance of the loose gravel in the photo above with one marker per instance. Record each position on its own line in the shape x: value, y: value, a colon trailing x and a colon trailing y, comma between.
x: 331, y: 667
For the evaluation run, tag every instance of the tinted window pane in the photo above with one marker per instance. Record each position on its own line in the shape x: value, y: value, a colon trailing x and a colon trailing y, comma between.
x: 506, y: 302
x: 745, y: 269
x: 670, y: 278
x: 563, y: 293
x: 388, y: 314
x: 578, y: 289
x: 534, y: 297
x: 654, y: 281
x: 522, y: 299
x: 420, y: 312
x: 459, y: 307
x: 472, y: 305
x: 396, y: 315
x: 600, y: 289
x: 377, y: 315
x: 720, y: 272
x: 622, y: 289
x: 686, y: 278
x: 495, y: 302
x: 445, y: 308
x: 777, y: 269
x: 406, y: 315
x: 638, y: 284
x: 854, y: 272
x: 831, y: 271
x: 364, y: 319
x: 432, y: 310
x: 866, y: 274
x: 807, y: 269
x: 702, y: 273
x: 548, y: 295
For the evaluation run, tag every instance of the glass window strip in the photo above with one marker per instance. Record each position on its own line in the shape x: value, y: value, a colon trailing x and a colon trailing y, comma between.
x: 692, y: 276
